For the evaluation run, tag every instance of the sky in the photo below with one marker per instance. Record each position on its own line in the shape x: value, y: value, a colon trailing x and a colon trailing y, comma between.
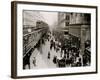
x: 50, y: 17
x: 30, y: 17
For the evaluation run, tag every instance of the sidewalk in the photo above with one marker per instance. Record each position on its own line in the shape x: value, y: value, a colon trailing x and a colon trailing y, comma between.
x: 46, y: 49
x: 42, y: 60
x: 39, y: 61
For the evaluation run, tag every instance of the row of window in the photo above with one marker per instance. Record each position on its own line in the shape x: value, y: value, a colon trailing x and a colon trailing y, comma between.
x: 85, y: 17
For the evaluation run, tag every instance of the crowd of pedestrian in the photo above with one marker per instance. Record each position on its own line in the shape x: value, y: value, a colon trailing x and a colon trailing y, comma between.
x: 67, y: 56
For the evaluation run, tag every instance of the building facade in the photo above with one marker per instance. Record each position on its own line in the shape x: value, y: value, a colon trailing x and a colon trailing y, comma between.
x: 77, y: 27
x: 81, y: 28
x: 63, y: 23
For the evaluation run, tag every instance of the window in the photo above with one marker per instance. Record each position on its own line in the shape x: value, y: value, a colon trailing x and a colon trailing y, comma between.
x: 67, y: 17
x: 66, y: 32
x: 87, y: 17
x: 66, y: 23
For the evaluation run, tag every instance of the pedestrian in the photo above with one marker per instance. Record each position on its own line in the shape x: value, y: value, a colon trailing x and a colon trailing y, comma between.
x: 34, y: 61
x: 49, y: 55
x: 79, y: 63
x: 51, y: 44
x: 54, y: 45
x: 55, y: 59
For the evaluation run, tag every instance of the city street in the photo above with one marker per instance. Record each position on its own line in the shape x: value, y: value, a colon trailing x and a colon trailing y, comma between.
x: 57, y: 43
x: 41, y: 58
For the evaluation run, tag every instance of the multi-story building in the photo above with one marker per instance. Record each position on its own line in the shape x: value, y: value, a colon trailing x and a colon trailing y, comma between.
x: 63, y: 23
x: 78, y: 21
x: 80, y: 27
x: 77, y: 28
